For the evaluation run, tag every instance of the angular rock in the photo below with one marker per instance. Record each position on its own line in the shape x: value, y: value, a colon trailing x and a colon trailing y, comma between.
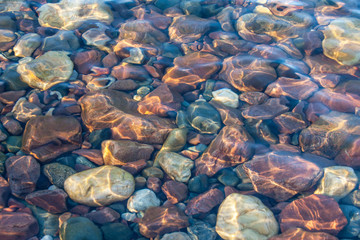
x: 290, y: 122
x: 53, y: 201
x: 300, y: 234
x: 232, y: 146
x: 126, y: 71
x: 17, y: 226
x: 103, y: 216
x: 85, y: 60
x: 142, y: 200
x: 97, y: 37
x: 57, y: 173
x: 4, y: 192
x: 176, y: 166
x: 229, y: 115
x: 61, y: 41
x: 253, y: 98
x: 69, y: 230
x: 175, y: 191
x: 291, y: 173
x: 204, y: 202
x: 100, y: 186
x: 314, y: 213
x: 27, y: 44
x: 268, y: 110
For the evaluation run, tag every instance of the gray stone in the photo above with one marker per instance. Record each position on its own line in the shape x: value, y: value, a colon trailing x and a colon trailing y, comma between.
x: 27, y: 44
x: 142, y: 200
x: 79, y: 228
x: 352, y: 229
x: 61, y: 41
x: 57, y: 173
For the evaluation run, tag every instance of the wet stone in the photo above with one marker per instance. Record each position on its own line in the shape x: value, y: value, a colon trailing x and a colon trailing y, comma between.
x: 69, y: 230
x: 201, y: 230
x: 290, y: 122
x: 268, y: 110
x: 61, y: 41
x: 57, y: 173
x: 228, y: 177
x: 24, y: 110
x: 198, y: 184
x: 7, y: 39
x: 97, y: 37
x: 204, y: 202
x: 142, y: 200
x: 176, y: 235
x: 17, y: 225
x: 27, y: 44
x: 153, y: 172
x: 253, y: 98
x: 226, y: 97
x: 53, y: 201
x: 103, y: 216
x: 175, y: 191
x: 176, y: 166
x: 4, y: 192
x: 85, y: 60
x: 300, y: 234
x: 154, y: 184
x: 116, y: 231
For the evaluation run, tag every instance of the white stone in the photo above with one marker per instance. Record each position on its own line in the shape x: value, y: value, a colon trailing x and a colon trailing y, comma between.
x: 142, y: 200
x: 226, y: 97
x: 47, y: 237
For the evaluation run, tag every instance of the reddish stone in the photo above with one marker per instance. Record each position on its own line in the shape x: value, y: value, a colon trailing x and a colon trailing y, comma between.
x: 11, y: 125
x: 22, y: 172
x: 229, y: 190
x: 93, y: 155
x: 10, y: 97
x: 47, y: 137
x: 290, y: 174
x: 204, y: 202
x: 268, y: 110
x: 84, y: 61
x: 195, y: 138
x: 53, y: 201
x: 124, y: 85
x: 110, y: 60
x: 4, y: 192
x: 160, y: 101
x: 135, y: 167
x: 27, y: 25
x: 102, y: 216
x: 312, y: 42
x: 350, y: 156
x: 150, y: 13
x: 232, y: 146
x: 122, y: 48
x: 327, y: 80
x: 80, y: 210
x: 161, y: 220
x: 268, y: 52
x: 17, y: 226
x: 229, y: 116
x: 289, y: 122
x: 314, y: 110
x: 129, y: 71
x: 175, y: 191
x: 154, y: 184
x: 315, y: 213
x: 300, y: 234
x: 190, y: 154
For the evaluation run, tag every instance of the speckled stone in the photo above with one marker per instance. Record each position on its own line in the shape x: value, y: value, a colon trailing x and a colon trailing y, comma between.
x: 176, y: 166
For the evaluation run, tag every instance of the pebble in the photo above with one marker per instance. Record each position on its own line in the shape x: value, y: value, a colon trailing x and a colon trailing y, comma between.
x: 228, y: 177
x: 352, y: 229
x: 176, y: 166
x: 226, y: 97
x: 203, y: 203
x: 142, y: 200
x: 117, y: 231
x: 69, y: 230
x: 198, y: 184
x: 18, y: 225
x: 201, y: 230
x: 57, y: 173
x: 176, y: 235
x: 61, y: 41
x: 27, y: 44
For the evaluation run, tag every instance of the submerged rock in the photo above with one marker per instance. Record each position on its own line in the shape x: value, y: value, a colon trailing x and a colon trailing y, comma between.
x: 27, y: 44
x: 79, y: 228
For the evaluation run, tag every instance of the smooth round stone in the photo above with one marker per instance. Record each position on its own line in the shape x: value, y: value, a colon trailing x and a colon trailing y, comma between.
x: 61, y: 41
x: 226, y: 97
x: 176, y: 166
x: 27, y: 44
x: 117, y: 231
x: 13, y: 143
x: 352, y: 229
x: 198, y: 184
x: 142, y: 200
x: 7, y: 39
x: 57, y: 173
x: 47, y: 70
x: 337, y: 182
x: 100, y: 186
x: 201, y: 230
x: 243, y: 217
x: 79, y: 228
x: 176, y: 235
x: 228, y: 178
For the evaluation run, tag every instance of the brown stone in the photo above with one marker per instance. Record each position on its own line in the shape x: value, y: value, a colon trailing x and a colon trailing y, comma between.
x: 232, y: 146
x: 229, y: 116
x: 102, y: 216
x: 110, y: 60
x: 135, y: 167
x: 4, y: 192
x: 120, y: 152
x: 130, y: 71
x: 10, y: 97
x: 247, y: 73
x: 93, y: 155
x: 290, y: 174
x: 161, y: 220
x: 150, y: 14
x: 47, y: 137
x: 11, y: 125
x: 290, y: 122
x: 327, y: 80
x: 253, y: 98
x: 268, y: 52
x: 268, y: 110
x: 160, y: 101
x: 314, y: 110
x: 124, y: 85
x: 22, y: 172
x: 116, y: 110
x: 300, y: 234
x: 53, y: 201
x: 204, y: 202
x: 350, y: 156
x: 191, y: 70
x: 80, y: 210
x: 17, y: 226
x: 175, y: 191
x: 315, y: 213
x: 123, y: 46
x: 84, y: 61
x: 154, y: 184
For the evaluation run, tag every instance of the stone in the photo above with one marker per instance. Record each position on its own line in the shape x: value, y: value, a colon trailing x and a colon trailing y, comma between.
x: 12, y: 79
x: 121, y: 152
x: 201, y: 230
x: 17, y: 225
x: 232, y: 146
x: 113, y: 109
x: 203, y: 117
x: 198, y: 184
x: 337, y: 182
x: 314, y: 213
x: 176, y: 235
x: 69, y: 15
x: 137, y: 56
x: 229, y: 116
x: 85, y: 60
x: 344, y: 30
x: 300, y: 234
x: 97, y: 37
x: 117, y: 231
x: 57, y: 173
x: 268, y: 110
x: 126, y: 71
x: 27, y: 44
x: 204, y: 202
x: 24, y: 110
x: 142, y: 200
x: 245, y: 217
x: 154, y: 184
x: 290, y: 122
x: 175, y: 141
x: 175, y: 191
x: 161, y: 220
x: 153, y: 172
x: 69, y: 230
x: 22, y: 172
x: 226, y: 97
x: 49, y: 69
x: 228, y: 177
x: 96, y: 137
x: 94, y: 155
x: 103, y: 216
x: 100, y: 186
x: 47, y: 137
x: 53, y: 201
x: 13, y: 144
x: 7, y: 39
x: 352, y: 229
x: 5, y: 192
x: 291, y: 173
x: 247, y: 73
x: 61, y: 41
x: 48, y: 223
x: 176, y: 166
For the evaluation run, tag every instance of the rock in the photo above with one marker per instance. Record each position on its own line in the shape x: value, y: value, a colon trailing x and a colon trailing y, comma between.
x: 97, y: 37
x: 94, y: 155
x: 113, y: 109
x: 164, y: 4
x: 48, y: 223
x: 229, y: 115
x: 186, y: 29
x: 203, y: 117
x: 47, y: 70
x: 27, y: 44
x: 23, y: 110
x: 352, y: 229
x: 176, y: 166
x: 315, y: 213
x: 291, y: 173
x: 100, y: 186
x: 247, y: 73
x: 161, y: 220
x: 198, y: 184
x: 137, y: 56
x: 228, y: 177
x: 300, y: 234
x: 103, y: 216
x: 61, y: 41
x: 175, y: 191
x: 69, y: 230
x: 17, y: 225
x: 232, y: 146
x: 57, y: 173
x: 176, y: 235
x: 191, y: 70
x: 337, y: 182
x: 226, y: 97
x: 142, y: 200
x: 204, y: 202
x: 53, y: 201
x: 7, y: 39
x: 245, y: 217
x: 47, y: 137
x: 117, y: 231
x: 126, y: 71
x: 153, y: 172
x: 201, y: 230
x: 268, y: 110
x: 69, y: 15
x: 96, y: 137
x: 13, y: 144
x: 5, y: 192
x: 175, y: 141
x: 22, y: 172
x: 121, y: 152
x: 290, y: 122
x: 344, y: 30
x: 85, y: 60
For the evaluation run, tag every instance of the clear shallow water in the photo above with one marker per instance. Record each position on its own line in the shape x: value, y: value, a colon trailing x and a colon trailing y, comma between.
x: 243, y: 114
